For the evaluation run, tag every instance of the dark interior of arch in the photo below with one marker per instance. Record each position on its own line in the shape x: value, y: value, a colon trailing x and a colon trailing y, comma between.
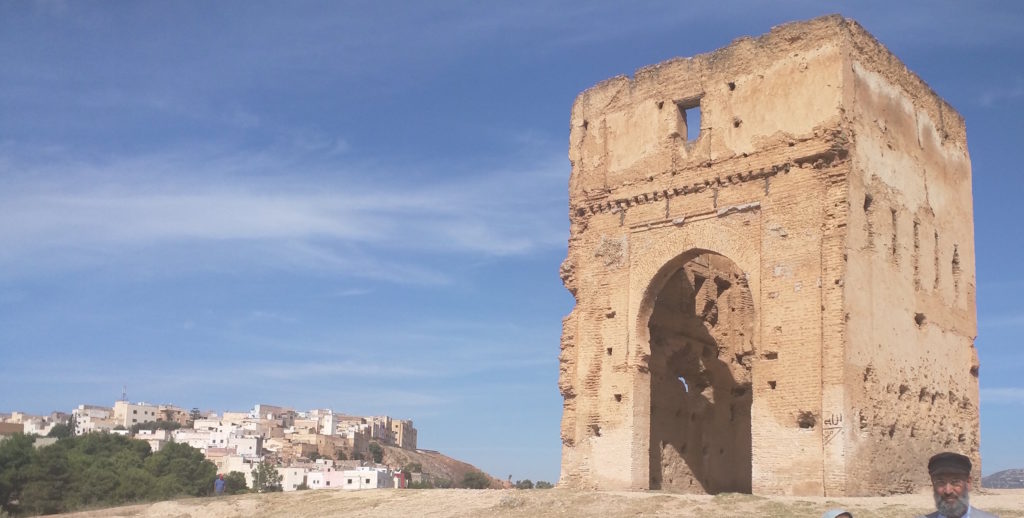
x: 701, y: 353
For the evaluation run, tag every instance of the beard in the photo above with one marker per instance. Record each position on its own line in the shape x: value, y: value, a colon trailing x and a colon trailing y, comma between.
x: 954, y: 509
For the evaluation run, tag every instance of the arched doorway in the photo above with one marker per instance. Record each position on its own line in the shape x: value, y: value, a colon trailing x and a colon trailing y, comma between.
x: 701, y: 337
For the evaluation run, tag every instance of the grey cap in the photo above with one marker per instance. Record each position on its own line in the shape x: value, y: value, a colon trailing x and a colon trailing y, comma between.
x: 949, y: 462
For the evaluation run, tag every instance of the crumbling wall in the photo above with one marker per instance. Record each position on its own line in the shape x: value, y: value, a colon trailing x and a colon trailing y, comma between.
x: 910, y: 287
x: 661, y: 390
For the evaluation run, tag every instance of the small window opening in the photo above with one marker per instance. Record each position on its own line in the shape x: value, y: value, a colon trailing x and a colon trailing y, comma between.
x: 772, y: 384
x: 806, y: 419
x: 609, y: 351
x: 689, y: 115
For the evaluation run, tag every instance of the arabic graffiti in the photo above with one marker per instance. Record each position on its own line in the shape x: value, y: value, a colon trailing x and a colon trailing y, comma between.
x: 832, y: 425
x: 834, y: 420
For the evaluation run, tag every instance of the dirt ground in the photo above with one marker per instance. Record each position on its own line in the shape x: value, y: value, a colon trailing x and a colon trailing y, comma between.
x: 438, y: 503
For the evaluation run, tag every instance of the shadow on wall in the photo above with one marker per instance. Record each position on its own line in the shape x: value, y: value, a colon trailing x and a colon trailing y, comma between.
x: 701, y: 333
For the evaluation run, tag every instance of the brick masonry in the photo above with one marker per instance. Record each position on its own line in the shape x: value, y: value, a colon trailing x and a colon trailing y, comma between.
x: 781, y: 300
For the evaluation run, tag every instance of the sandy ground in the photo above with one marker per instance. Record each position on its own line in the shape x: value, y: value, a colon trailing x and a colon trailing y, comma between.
x: 437, y: 503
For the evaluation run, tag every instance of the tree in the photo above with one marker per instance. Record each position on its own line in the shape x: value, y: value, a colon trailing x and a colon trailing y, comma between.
x: 96, y: 470
x: 339, y: 454
x: 524, y: 484
x: 234, y: 483
x: 181, y: 470
x: 15, y: 454
x: 61, y: 431
x: 476, y: 480
x: 193, y: 415
x: 541, y: 484
x: 413, y: 467
x: 46, y: 479
x: 168, y: 414
x: 265, y: 478
x: 377, y: 452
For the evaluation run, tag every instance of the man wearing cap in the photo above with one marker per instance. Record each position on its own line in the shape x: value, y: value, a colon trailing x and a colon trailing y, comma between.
x: 951, y: 481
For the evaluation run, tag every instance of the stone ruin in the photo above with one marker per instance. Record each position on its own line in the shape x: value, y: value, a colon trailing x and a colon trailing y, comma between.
x: 777, y: 297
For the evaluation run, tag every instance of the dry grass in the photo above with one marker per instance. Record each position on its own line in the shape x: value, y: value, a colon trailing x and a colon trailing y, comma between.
x: 444, y: 503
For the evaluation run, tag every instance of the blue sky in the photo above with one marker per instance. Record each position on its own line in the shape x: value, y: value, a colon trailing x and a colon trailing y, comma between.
x: 363, y: 205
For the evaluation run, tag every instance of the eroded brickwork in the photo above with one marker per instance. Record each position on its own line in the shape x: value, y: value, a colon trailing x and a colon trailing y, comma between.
x: 781, y: 298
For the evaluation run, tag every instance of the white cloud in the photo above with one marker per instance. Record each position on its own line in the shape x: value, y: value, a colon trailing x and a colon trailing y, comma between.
x: 348, y: 370
x: 1001, y: 94
x: 66, y: 212
x: 351, y: 292
x: 1003, y: 396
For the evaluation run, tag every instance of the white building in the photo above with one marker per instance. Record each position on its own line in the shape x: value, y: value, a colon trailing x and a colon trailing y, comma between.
x: 240, y: 463
x: 156, y: 438
x: 328, y: 424
x: 37, y: 425
x: 365, y: 478
x: 207, y: 424
x: 246, y: 444
x: 292, y: 477
x: 320, y: 479
x: 93, y: 418
x: 198, y: 439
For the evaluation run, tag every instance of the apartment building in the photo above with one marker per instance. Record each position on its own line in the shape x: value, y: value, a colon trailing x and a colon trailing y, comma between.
x: 173, y: 414
x: 379, y: 429
x: 128, y: 414
x: 93, y: 418
x: 403, y: 433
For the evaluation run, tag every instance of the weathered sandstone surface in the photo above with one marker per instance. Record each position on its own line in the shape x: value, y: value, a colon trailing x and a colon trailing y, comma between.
x: 779, y: 299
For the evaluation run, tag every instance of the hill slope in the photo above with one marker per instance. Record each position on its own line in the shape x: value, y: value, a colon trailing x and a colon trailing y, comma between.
x: 437, y: 466
x: 1006, y: 479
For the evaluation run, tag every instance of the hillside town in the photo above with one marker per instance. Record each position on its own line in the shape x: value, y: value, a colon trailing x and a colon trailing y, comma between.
x: 316, y: 449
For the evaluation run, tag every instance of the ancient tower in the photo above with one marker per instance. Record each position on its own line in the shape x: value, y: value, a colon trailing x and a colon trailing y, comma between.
x: 772, y: 255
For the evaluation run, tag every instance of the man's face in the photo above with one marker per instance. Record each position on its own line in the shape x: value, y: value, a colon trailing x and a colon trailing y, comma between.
x: 951, y: 494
